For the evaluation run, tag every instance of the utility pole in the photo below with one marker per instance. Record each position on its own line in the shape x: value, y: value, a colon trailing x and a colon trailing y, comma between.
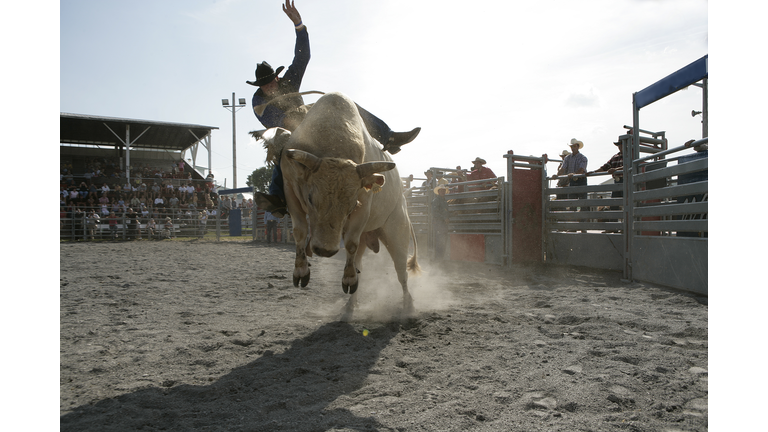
x: 234, y: 107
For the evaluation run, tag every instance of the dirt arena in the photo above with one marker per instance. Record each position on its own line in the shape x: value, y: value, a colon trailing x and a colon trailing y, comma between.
x: 197, y: 335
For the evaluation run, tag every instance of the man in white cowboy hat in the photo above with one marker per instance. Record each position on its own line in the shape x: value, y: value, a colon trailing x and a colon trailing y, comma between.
x: 480, y: 172
x: 440, y: 219
x: 287, y: 112
x: 573, y: 164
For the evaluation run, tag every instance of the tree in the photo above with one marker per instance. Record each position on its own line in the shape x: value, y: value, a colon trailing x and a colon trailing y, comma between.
x: 259, y: 179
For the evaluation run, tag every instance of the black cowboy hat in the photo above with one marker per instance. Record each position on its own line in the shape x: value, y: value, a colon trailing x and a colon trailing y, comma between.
x: 265, y: 74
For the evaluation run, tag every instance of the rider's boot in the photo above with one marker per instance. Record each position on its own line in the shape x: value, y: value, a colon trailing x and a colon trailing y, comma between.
x: 271, y: 203
x: 399, y: 139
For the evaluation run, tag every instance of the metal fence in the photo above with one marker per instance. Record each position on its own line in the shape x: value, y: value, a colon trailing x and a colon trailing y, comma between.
x: 652, y: 225
x: 218, y: 224
x: 475, y: 229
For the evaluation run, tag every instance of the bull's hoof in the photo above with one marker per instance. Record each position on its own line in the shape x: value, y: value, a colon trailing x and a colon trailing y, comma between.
x: 303, y: 279
x: 349, y: 289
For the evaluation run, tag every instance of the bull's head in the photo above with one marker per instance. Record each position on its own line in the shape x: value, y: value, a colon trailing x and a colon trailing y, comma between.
x: 332, y: 189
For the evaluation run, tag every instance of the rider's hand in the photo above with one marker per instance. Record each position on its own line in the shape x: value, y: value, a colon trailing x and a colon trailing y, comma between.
x: 290, y: 9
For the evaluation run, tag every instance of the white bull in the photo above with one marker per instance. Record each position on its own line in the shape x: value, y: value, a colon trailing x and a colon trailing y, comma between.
x: 339, y: 184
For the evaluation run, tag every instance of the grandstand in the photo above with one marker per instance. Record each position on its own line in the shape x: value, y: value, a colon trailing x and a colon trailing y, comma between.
x: 130, y: 143
x: 111, y: 164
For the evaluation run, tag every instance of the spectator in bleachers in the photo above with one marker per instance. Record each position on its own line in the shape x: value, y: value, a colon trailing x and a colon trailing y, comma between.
x: 82, y: 191
x: 91, y: 202
x: 113, y: 206
x: 159, y: 202
x: 173, y: 203
x: 144, y: 210
x: 135, y: 202
x: 104, y: 188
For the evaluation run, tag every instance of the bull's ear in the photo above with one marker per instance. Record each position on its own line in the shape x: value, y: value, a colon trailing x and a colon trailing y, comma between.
x: 309, y: 160
x: 274, y: 142
x: 373, y: 182
x: 368, y: 168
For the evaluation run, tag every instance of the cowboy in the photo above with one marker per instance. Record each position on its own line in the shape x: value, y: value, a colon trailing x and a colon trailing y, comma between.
x: 286, y: 110
x: 574, y: 164
x: 440, y: 219
x: 481, y: 172
x: 563, y: 182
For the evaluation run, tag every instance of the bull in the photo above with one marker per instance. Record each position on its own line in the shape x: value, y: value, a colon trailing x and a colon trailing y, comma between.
x: 340, y: 185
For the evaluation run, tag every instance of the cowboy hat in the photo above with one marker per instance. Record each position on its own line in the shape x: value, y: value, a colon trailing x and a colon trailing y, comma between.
x: 574, y: 142
x: 265, y: 74
x: 565, y: 153
x: 442, y: 186
x: 479, y: 160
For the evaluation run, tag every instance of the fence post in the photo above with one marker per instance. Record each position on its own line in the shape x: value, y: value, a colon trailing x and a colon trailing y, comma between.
x: 507, y: 211
x: 218, y: 221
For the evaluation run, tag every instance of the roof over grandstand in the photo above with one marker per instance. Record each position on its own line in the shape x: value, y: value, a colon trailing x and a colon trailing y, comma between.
x: 145, y: 134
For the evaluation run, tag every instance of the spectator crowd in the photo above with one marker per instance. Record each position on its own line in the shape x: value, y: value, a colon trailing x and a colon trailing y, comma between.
x: 148, y: 205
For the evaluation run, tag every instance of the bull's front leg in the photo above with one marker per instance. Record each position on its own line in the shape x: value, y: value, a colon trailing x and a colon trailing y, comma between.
x: 301, y: 266
x: 301, y: 236
x: 350, y: 280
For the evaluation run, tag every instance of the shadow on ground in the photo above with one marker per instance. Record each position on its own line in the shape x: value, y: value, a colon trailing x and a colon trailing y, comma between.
x: 276, y: 392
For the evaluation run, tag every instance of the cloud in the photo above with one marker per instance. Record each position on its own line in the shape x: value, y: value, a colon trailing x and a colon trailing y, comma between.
x: 584, y: 99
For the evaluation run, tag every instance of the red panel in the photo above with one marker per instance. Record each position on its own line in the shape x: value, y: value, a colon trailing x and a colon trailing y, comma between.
x: 526, y: 211
x: 468, y: 247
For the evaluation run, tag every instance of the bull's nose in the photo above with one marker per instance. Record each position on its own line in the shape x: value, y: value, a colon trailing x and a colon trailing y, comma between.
x: 324, y: 252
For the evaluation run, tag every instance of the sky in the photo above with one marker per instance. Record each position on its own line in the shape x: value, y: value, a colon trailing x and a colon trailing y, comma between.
x: 480, y: 80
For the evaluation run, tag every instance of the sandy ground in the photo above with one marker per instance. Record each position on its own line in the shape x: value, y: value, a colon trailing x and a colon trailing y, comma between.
x: 198, y: 335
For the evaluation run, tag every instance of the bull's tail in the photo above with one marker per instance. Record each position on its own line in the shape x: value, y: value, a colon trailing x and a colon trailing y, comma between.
x: 413, y: 264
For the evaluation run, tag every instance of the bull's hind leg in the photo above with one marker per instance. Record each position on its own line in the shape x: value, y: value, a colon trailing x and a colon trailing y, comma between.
x: 397, y: 246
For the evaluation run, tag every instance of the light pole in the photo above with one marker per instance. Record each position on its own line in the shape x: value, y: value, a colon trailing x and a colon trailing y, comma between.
x: 704, y: 107
x: 233, y: 107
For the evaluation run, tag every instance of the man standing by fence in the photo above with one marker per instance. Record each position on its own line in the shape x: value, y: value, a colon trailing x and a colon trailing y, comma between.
x: 271, y: 222
x: 575, y: 163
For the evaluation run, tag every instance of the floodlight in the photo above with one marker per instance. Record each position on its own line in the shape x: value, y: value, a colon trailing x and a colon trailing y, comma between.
x: 224, y: 102
x: 241, y: 101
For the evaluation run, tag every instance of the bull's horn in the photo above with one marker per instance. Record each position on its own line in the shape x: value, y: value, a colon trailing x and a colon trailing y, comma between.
x: 368, y: 168
x: 309, y: 160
